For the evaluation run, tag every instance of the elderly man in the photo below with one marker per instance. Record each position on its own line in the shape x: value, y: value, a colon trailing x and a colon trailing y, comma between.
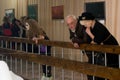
x: 77, y: 33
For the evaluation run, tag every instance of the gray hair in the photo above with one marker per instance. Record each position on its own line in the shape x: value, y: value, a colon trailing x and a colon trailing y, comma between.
x: 71, y: 16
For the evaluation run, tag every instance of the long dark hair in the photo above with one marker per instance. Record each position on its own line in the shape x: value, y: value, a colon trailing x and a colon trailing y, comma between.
x: 34, y: 30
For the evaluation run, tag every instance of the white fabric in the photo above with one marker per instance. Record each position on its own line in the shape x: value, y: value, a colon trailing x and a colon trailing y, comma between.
x: 15, y: 77
x: 4, y: 71
x: 5, y: 74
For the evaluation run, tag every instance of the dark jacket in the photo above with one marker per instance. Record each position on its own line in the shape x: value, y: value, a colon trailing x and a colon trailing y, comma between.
x: 79, y: 36
x: 6, y: 27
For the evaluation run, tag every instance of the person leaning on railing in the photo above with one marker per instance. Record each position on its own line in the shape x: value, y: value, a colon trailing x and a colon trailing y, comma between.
x: 35, y: 33
x: 78, y: 35
x: 99, y: 34
x: 76, y: 30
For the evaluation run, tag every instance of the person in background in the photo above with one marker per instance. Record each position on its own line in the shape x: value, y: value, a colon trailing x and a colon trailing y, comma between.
x: 15, y: 28
x: 17, y: 31
x: 18, y: 28
x: 99, y: 34
x: 23, y: 34
x: 35, y: 33
x: 6, y: 27
x: 6, y: 30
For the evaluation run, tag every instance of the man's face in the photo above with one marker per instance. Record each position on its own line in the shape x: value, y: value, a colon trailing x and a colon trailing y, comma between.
x: 71, y: 23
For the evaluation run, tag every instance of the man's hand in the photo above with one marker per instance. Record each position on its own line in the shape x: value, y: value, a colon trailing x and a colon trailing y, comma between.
x: 76, y: 45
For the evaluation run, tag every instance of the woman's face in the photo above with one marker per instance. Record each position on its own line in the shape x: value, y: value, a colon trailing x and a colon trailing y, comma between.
x: 27, y: 26
x: 87, y: 23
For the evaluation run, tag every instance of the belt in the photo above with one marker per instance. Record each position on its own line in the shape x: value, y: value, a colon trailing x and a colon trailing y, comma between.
x: 105, y: 39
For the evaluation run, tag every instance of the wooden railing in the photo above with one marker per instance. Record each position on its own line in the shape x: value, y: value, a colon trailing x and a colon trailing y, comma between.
x: 82, y: 67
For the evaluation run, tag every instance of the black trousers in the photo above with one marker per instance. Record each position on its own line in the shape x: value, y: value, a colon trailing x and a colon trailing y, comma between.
x: 45, y: 68
x: 99, y: 59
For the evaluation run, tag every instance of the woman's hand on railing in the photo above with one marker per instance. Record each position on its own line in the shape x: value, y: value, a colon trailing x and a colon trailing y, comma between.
x: 35, y: 40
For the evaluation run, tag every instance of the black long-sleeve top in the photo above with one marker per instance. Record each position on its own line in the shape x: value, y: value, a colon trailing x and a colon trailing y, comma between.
x: 102, y: 35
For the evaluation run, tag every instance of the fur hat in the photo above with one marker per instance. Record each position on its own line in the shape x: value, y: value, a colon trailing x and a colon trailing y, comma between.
x: 86, y: 16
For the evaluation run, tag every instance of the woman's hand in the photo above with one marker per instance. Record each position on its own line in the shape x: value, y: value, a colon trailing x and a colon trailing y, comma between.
x: 92, y: 42
x: 35, y: 39
x: 88, y: 31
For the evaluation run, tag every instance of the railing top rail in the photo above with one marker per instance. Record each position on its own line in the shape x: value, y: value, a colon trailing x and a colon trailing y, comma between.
x: 114, y: 49
x: 82, y: 67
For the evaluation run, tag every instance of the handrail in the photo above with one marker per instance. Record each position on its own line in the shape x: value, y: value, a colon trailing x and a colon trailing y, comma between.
x: 90, y: 69
x: 82, y: 67
x: 114, y: 49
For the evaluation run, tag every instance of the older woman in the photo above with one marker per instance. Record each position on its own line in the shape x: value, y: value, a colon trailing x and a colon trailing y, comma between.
x: 99, y: 34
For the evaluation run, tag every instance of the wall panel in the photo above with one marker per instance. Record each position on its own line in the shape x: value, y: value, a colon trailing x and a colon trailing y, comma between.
x: 21, y: 8
x: 56, y: 29
x: 5, y: 4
